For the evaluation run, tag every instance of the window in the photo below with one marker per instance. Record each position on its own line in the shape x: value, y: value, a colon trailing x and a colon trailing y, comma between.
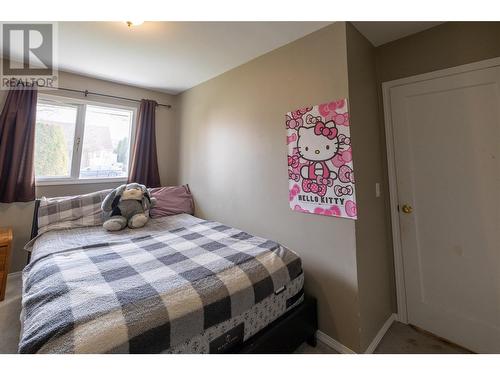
x: 54, y: 139
x: 78, y: 141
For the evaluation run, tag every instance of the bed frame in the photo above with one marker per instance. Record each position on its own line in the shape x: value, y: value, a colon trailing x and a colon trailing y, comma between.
x: 283, y: 336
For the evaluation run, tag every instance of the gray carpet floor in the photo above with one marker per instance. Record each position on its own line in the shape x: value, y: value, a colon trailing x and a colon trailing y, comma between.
x: 10, y: 309
x: 404, y: 339
x: 399, y: 339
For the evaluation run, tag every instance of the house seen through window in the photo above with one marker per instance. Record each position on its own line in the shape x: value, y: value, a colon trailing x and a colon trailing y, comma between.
x: 77, y: 141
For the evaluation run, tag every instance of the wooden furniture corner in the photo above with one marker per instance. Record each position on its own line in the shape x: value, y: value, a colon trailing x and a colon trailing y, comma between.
x: 5, y: 251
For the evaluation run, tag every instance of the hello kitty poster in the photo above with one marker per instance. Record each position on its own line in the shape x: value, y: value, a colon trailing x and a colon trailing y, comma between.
x: 320, y: 168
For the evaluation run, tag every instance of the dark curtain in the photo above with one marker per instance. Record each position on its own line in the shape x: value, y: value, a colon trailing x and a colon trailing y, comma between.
x: 144, y: 166
x: 17, y: 146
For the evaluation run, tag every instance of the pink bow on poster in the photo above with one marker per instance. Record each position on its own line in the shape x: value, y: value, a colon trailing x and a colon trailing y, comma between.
x: 340, y: 190
x: 342, y: 157
x: 300, y: 112
x: 341, y: 119
x: 332, y: 211
x: 351, y: 209
x: 293, y: 123
x: 321, y: 129
x: 324, y: 181
x: 293, y: 176
x: 291, y: 138
x: 293, y: 161
x: 293, y: 192
x: 346, y: 174
x: 328, y: 110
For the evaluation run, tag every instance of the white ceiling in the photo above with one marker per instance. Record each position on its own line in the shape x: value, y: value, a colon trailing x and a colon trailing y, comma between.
x: 169, y: 56
x: 382, y: 32
x: 175, y: 56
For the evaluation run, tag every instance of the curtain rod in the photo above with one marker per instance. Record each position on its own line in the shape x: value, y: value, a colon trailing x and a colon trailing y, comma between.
x: 87, y: 93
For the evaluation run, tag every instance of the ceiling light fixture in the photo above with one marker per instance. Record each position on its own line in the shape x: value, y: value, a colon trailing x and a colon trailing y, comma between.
x: 134, y: 23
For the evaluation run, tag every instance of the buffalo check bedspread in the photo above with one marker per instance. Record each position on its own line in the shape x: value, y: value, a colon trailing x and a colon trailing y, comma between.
x: 147, y: 293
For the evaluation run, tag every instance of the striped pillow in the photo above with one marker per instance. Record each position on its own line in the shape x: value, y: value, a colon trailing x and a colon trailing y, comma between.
x: 71, y: 212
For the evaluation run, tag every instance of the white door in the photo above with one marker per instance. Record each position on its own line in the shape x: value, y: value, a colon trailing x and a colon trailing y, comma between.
x: 446, y: 134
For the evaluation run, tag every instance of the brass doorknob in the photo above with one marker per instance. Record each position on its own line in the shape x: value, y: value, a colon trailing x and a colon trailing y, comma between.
x: 407, y: 209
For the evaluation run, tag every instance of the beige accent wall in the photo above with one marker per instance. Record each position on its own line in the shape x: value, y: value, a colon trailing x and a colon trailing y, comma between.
x: 19, y: 215
x: 373, y: 247
x: 443, y: 46
x: 233, y: 151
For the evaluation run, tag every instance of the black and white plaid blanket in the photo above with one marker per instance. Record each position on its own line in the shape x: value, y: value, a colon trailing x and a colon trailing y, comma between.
x: 148, y: 293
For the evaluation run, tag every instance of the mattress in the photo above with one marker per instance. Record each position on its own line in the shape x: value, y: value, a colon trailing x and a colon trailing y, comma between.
x: 180, y: 284
x: 227, y: 335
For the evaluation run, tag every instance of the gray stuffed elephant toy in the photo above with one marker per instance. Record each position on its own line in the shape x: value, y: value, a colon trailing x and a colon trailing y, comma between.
x: 129, y: 205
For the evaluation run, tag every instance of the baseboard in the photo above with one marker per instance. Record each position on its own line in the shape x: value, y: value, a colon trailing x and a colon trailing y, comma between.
x: 342, y: 349
x: 332, y: 343
x: 380, y: 334
x: 14, y: 273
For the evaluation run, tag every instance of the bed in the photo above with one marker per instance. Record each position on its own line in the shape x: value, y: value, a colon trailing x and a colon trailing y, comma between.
x: 179, y: 285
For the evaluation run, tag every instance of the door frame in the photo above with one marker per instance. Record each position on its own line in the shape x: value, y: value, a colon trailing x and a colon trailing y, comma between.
x: 402, y: 313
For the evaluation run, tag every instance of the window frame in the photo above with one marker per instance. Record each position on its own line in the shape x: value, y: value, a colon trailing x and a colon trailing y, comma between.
x: 81, y: 106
